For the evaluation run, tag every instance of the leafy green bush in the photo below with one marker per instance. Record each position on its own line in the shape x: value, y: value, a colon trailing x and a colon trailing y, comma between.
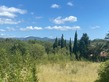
x: 103, y: 72
x: 37, y: 51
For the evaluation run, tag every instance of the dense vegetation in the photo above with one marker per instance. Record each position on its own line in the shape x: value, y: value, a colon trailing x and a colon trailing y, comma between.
x: 95, y: 50
x: 19, y: 59
x: 103, y: 72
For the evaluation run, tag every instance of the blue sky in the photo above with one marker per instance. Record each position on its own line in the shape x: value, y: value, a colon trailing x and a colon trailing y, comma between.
x: 52, y: 18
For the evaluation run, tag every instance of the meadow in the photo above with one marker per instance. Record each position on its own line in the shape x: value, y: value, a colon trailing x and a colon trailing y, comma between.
x: 73, y: 71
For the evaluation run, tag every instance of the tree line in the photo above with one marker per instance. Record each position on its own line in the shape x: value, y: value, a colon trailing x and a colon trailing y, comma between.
x: 83, y: 48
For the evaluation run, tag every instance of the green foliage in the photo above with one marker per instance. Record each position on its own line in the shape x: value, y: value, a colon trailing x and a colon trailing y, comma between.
x: 55, y: 45
x: 75, y: 46
x: 18, y: 59
x: 70, y: 46
x: 19, y: 47
x: 106, y: 46
x: 103, y: 72
x: 48, y: 48
x: 35, y: 79
x: 37, y: 51
x: 62, y: 41
x: 107, y: 36
x: 59, y: 45
x: 59, y: 42
x: 84, y: 45
x: 14, y: 69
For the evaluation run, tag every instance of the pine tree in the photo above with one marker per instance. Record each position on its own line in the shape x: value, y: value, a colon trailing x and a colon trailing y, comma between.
x: 75, y: 46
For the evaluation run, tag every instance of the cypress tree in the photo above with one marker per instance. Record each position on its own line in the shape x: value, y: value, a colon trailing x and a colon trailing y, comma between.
x: 62, y: 41
x: 65, y: 43
x: 55, y: 45
x: 75, y: 46
x: 70, y: 47
x: 59, y: 42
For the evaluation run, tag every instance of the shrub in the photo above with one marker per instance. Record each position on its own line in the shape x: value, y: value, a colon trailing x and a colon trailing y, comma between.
x: 103, y: 72
x: 37, y: 51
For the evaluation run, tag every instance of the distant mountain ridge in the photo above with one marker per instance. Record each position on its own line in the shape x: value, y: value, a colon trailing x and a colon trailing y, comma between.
x: 49, y: 39
x: 32, y: 38
x: 36, y: 38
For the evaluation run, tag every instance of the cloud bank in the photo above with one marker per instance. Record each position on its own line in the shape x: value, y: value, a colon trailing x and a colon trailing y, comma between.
x: 8, y: 14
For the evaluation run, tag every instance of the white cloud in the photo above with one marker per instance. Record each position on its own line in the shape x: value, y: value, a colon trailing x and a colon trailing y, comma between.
x: 63, y: 28
x: 95, y: 27
x: 28, y: 28
x: 60, y: 20
x: 55, y: 6
x: 70, y: 4
x: 10, y: 12
x: 8, y: 21
x: 37, y: 28
x: 7, y: 14
x: 70, y: 19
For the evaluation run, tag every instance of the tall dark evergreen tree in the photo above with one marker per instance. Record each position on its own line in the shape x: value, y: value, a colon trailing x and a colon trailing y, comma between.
x: 75, y: 46
x: 65, y: 43
x: 70, y: 47
x: 62, y: 41
x: 59, y: 42
x: 83, y: 45
x: 55, y: 45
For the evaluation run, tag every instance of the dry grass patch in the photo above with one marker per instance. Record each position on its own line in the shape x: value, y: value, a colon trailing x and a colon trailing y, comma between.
x: 68, y: 72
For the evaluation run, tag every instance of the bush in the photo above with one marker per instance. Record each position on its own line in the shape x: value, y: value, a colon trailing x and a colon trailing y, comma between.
x: 37, y: 51
x: 103, y: 72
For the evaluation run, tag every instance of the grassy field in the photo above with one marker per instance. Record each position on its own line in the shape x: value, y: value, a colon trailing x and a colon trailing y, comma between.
x: 68, y: 72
